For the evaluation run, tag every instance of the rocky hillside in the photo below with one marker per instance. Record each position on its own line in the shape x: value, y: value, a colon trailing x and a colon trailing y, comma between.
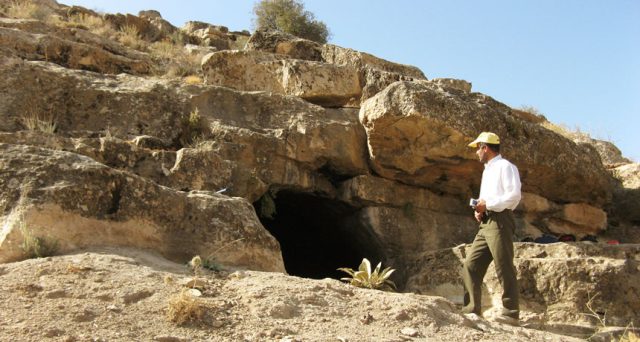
x: 288, y: 158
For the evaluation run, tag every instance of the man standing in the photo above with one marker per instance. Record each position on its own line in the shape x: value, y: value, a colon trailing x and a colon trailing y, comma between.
x: 499, y: 196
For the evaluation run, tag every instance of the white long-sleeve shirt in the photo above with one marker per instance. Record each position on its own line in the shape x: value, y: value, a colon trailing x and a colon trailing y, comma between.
x: 500, y: 186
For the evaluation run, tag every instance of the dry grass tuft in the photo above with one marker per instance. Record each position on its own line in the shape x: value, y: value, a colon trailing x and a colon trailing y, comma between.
x: 92, y: 23
x: 194, y: 129
x: 183, y: 308
x: 566, y: 132
x: 630, y: 336
x: 193, y: 79
x: 165, y: 49
x: 28, y: 10
x: 130, y: 36
x: 43, y: 122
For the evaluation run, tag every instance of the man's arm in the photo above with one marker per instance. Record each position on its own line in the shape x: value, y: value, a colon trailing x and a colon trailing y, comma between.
x: 510, y: 179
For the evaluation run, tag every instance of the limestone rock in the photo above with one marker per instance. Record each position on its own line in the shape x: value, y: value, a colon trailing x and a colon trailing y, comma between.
x: 529, y: 116
x: 285, y: 44
x: 76, y: 202
x: 199, y: 50
x: 200, y: 169
x: 145, y: 27
x: 532, y: 203
x: 418, y: 134
x: 344, y: 56
x: 282, y: 140
x: 72, y: 48
x: 192, y: 26
x: 585, y: 215
x: 295, y: 138
x: 611, y: 156
x: 399, y: 233
x: 626, y: 195
x: 150, y: 14
x: 213, y: 36
x: 325, y: 84
x: 375, y: 73
x: 124, y: 104
x: 556, y: 280
x: 453, y: 83
x: 367, y: 190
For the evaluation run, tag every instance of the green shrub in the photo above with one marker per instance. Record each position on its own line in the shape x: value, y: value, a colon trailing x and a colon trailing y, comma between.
x: 36, y: 246
x: 363, y: 277
x: 193, y: 129
x: 289, y: 16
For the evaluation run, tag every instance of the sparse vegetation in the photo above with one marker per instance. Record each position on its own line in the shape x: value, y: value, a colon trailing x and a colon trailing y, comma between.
x: 572, y: 134
x: 184, y: 308
x: 165, y: 49
x: 130, y: 36
x: 36, y: 246
x: 28, y: 10
x: 211, y: 264
x: 37, y: 121
x: 531, y: 110
x: 364, y: 277
x: 91, y: 22
x: 289, y: 16
x: 193, y: 79
x: 196, y: 265
x: 628, y: 335
x: 183, y: 64
x: 193, y: 129
x: 601, y: 317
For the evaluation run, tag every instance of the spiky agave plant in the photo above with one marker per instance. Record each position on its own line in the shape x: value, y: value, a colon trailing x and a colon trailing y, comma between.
x: 363, y: 277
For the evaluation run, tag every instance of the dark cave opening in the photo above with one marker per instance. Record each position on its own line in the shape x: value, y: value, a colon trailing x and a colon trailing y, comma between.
x: 317, y: 235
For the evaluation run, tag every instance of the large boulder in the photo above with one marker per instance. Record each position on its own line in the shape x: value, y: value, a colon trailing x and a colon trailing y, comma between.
x: 558, y: 282
x: 282, y: 43
x: 375, y: 73
x: 80, y: 101
x: 281, y: 140
x: 345, y: 56
x: 405, y: 220
x: 72, y: 48
x: 626, y: 196
x: 320, y: 83
x: 68, y: 201
x: 418, y: 132
x: 261, y: 139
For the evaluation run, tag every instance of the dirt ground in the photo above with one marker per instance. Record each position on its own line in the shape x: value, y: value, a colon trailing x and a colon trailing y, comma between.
x: 125, y: 295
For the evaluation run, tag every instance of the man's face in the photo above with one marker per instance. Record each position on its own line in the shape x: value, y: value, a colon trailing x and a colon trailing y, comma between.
x: 482, y: 153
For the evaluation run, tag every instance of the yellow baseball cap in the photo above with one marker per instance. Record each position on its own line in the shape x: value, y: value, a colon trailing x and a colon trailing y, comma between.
x: 487, y: 138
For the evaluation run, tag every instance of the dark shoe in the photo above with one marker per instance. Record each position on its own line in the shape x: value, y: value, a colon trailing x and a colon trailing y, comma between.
x: 507, y: 320
x: 470, y: 310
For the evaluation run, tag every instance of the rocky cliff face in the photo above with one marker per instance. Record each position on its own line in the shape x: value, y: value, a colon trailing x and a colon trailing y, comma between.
x: 274, y: 153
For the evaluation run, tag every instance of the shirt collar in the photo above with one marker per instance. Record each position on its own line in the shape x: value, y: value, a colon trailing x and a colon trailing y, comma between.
x: 493, y: 161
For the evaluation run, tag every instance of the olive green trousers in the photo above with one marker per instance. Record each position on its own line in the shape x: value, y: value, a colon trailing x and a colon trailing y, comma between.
x: 494, y: 242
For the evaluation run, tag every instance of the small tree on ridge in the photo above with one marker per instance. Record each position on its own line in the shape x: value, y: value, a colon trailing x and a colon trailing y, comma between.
x: 289, y: 16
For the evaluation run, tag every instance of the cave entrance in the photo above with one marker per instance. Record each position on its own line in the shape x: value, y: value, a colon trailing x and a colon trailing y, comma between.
x: 317, y: 235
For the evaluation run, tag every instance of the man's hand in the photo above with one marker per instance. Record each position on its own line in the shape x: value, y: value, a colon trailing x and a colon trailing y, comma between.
x: 478, y: 216
x: 481, y: 207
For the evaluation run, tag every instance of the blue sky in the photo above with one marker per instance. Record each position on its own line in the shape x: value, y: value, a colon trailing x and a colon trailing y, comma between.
x: 577, y: 61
